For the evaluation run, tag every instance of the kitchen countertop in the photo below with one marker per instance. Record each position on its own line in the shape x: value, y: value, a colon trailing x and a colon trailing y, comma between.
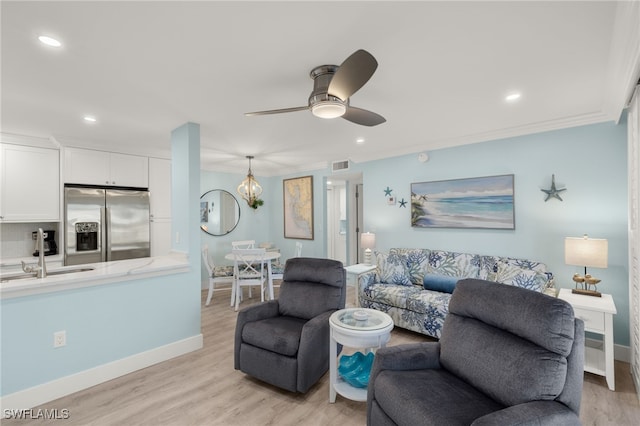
x: 102, y: 273
x: 16, y: 261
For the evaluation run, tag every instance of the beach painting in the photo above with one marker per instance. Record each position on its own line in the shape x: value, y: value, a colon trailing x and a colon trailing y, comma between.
x: 483, y: 202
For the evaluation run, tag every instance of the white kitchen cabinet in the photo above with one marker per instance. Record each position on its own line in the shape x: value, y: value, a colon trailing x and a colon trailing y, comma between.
x: 29, y: 184
x: 160, y: 205
x: 89, y: 167
x: 160, y: 236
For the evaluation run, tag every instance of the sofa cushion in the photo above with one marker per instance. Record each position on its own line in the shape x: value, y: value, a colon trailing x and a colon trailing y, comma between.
x: 416, y: 261
x: 517, y: 272
x: 393, y: 294
x: 442, y: 283
x: 453, y: 264
x: 392, y: 269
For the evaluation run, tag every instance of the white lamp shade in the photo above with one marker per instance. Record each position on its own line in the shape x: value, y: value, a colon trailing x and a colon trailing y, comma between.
x: 368, y: 240
x: 585, y: 251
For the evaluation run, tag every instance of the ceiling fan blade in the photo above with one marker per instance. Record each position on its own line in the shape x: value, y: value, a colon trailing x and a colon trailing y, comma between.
x: 277, y: 111
x: 352, y: 74
x: 363, y: 117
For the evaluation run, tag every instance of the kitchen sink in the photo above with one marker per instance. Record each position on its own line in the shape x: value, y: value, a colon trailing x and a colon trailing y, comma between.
x: 29, y: 275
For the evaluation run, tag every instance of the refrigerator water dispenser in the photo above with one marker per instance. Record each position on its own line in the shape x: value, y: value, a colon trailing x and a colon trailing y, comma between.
x: 86, y: 236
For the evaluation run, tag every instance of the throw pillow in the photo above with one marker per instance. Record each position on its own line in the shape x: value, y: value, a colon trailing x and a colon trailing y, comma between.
x: 519, y: 273
x: 441, y: 283
x: 392, y: 269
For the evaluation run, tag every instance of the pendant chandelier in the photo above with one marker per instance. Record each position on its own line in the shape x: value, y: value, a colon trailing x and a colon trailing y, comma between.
x: 250, y: 189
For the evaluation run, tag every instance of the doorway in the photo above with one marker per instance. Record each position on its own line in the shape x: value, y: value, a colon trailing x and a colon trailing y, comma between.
x: 344, y: 218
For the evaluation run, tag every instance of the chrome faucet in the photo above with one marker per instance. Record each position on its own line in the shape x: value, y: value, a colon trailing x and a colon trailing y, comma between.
x: 41, y: 269
x: 42, y: 265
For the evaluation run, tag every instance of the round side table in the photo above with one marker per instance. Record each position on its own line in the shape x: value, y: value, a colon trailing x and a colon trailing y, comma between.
x: 372, y: 329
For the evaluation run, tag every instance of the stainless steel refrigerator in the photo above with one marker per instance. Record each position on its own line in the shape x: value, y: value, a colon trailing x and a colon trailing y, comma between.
x: 103, y: 224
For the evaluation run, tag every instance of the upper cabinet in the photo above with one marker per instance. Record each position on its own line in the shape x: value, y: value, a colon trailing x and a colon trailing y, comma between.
x: 29, y: 184
x: 85, y: 166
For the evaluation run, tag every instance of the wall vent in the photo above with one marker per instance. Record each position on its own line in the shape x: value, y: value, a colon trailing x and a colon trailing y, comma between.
x: 340, y: 166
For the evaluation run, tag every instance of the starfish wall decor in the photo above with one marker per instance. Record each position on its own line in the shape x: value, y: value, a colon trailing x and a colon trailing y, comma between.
x: 553, y: 192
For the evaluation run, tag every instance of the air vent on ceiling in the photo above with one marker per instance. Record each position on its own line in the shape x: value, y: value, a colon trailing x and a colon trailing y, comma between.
x: 339, y: 166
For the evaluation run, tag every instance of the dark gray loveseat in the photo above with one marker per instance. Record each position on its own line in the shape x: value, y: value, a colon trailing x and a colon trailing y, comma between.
x: 285, y: 342
x: 507, y: 356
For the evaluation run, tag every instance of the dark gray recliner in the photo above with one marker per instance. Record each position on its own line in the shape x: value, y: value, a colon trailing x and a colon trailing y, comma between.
x: 507, y: 356
x: 285, y: 342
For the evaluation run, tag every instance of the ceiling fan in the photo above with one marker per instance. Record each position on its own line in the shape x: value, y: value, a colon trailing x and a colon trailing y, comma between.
x: 333, y: 86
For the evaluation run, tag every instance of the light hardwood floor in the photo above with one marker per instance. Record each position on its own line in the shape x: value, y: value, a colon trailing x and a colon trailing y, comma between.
x: 202, y: 388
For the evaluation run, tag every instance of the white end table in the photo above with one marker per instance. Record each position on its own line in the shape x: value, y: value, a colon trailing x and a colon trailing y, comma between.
x: 353, y: 274
x: 374, y: 332
x: 597, y: 314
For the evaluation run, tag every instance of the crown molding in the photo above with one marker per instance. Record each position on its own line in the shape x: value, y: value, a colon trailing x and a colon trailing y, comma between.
x: 17, y: 139
x: 511, y: 132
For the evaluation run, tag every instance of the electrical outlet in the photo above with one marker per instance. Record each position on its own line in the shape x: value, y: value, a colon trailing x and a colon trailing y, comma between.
x: 59, y: 339
x: 177, y: 238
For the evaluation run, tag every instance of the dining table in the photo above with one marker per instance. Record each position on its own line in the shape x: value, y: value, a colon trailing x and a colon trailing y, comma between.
x: 269, y: 256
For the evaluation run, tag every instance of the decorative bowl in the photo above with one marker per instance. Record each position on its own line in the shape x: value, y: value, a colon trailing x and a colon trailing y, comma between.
x: 355, y: 369
x: 360, y: 315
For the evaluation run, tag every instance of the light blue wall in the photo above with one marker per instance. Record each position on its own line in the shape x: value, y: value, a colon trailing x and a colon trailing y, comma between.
x: 590, y: 161
x: 103, y: 324
x: 265, y: 224
x: 109, y: 322
x: 253, y: 224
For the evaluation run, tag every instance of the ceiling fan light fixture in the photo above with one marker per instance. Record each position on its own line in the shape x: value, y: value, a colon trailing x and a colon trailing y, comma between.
x: 328, y: 109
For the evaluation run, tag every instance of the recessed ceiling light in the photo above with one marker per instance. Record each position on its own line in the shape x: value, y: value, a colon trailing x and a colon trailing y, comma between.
x: 360, y: 140
x: 512, y: 97
x: 49, y: 41
x: 89, y: 119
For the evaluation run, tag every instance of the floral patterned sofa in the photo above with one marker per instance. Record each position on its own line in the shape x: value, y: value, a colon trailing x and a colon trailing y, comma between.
x: 414, y: 286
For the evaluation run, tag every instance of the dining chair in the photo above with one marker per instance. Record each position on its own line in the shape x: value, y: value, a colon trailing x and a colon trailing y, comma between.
x: 277, y: 268
x: 217, y: 275
x: 244, y: 244
x: 248, y: 271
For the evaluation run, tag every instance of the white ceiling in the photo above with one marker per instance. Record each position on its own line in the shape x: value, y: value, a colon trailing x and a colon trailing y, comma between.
x: 145, y: 68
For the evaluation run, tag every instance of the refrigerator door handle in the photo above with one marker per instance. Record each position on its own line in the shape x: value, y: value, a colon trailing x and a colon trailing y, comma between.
x: 106, y: 228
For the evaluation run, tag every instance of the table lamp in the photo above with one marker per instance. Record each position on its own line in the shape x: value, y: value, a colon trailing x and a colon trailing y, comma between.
x: 368, y: 242
x: 587, y: 252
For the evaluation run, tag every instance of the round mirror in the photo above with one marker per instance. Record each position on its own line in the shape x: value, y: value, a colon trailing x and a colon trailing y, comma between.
x: 219, y: 212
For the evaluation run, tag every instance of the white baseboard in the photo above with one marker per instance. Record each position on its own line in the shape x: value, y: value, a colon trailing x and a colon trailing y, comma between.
x: 620, y: 353
x: 40, y: 394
